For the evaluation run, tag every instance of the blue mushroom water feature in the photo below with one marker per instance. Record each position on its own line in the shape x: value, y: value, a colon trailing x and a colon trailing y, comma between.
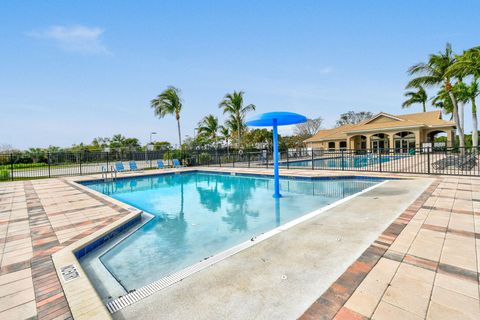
x: 275, y: 119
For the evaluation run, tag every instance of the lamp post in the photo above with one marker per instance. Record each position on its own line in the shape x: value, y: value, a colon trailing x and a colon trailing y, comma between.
x: 146, y: 149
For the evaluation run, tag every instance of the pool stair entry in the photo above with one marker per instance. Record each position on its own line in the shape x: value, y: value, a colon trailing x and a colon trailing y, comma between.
x: 105, y: 172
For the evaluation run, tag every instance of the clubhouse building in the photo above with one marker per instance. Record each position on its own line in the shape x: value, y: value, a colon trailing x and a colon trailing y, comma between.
x: 385, y: 131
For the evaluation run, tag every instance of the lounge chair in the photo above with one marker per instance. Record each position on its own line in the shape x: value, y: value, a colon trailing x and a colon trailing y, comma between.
x: 119, y: 167
x: 467, y: 162
x: 133, y: 166
x: 444, y: 163
x: 176, y: 163
x: 160, y: 164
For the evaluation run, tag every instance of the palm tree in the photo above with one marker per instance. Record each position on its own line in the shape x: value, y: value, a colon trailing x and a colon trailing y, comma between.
x: 169, y: 102
x: 472, y: 93
x: 468, y: 64
x: 442, y: 101
x: 433, y: 73
x: 208, y: 128
x: 232, y: 103
x: 225, y: 135
x: 418, y: 96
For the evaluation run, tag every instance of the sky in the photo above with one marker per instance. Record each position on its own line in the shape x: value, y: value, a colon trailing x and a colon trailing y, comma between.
x: 71, y: 71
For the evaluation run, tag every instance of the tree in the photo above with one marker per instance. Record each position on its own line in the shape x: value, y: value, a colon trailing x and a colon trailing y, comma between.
x: 352, y: 117
x: 309, y: 128
x: 131, y: 144
x: 468, y: 64
x: 259, y: 136
x: 225, y: 136
x: 434, y: 73
x: 232, y: 104
x: 472, y: 93
x: 161, y: 145
x: 168, y: 103
x: 100, y: 143
x: 417, y: 96
x: 117, y: 142
x: 442, y: 101
x: 208, y: 128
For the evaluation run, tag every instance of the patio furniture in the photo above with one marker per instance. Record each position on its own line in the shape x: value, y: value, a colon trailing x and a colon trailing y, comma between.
x: 119, y: 167
x: 133, y: 166
x: 176, y: 163
x: 160, y: 164
x: 467, y: 162
x: 444, y: 163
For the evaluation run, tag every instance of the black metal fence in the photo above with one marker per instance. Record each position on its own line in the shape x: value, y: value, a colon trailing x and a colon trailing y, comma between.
x: 445, y: 161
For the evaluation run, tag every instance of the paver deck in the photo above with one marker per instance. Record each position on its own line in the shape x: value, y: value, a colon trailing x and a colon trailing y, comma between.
x: 425, y: 265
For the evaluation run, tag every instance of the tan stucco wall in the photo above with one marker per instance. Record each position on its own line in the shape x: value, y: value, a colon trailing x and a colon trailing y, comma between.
x: 421, y: 135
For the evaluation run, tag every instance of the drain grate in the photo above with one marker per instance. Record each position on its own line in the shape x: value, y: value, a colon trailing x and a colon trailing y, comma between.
x: 69, y: 272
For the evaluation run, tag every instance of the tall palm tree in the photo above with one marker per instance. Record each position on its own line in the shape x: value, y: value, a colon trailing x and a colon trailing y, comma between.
x: 208, y: 128
x: 468, y: 64
x: 442, y: 101
x: 472, y: 93
x: 433, y: 73
x: 232, y: 103
x: 418, y: 96
x: 169, y: 102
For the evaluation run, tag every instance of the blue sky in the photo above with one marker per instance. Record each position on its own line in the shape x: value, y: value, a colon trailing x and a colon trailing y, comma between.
x: 74, y: 70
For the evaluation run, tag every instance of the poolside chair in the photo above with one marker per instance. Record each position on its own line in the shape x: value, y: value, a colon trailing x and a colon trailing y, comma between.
x: 160, y: 164
x: 133, y: 166
x: 119, y: 167
x: 177, y: 164
x: 467, y: 162
x: 444, y: 163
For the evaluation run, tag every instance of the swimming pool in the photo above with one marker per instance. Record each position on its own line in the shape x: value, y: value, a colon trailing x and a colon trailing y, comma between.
x: 356, y: 161
x: 200, y: 214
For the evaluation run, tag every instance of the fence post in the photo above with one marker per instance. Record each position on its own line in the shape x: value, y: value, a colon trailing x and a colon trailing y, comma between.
x: 233, y: 160
x: 343, y: 160
x: 48, y: 160
x: 313, y: 165
x: 80, y: 162
x: 428, y: 159
x: 107, y: 161
x: 266, y: 162
x: 380, y: 159
x: 219, y: 160
x: 248, y: 155
x: 288, y: 163
x: 11, y: 165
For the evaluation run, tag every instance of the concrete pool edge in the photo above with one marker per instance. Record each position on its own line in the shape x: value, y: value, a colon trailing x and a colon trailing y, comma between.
x: 312, y: 255
x: 162, y: 283
x: 332, y: 302
x: 83, y: 300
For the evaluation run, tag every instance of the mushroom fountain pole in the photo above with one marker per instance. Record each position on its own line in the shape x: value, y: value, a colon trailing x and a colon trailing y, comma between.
x: 275, y: 119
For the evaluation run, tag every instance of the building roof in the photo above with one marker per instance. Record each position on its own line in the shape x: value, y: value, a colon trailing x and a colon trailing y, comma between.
x: 385, y: 121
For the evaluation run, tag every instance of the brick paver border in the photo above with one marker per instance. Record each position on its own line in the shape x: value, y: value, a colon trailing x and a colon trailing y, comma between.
x: 330, y: 305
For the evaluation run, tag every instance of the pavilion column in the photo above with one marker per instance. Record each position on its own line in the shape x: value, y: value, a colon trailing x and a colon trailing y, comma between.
x: 391, y: 140
x: 369, y: 146
x: 418, y: 139
x: 450, y: 138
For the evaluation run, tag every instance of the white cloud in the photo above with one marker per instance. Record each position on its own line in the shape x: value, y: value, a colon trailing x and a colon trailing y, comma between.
x: 77, y: 38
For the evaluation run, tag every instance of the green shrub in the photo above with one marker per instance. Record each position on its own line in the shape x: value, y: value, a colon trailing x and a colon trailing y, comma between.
x: 4, y: 174
x: 204, y: 158
x: 173, y: 154
x: 23, y: 165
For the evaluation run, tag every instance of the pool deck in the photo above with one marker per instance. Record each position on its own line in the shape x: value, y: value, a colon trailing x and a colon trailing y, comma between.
x: 424, y: 265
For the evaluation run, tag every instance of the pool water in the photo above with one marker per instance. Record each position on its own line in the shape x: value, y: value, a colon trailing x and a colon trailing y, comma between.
x: 347, y: 162
x: 198, y: 214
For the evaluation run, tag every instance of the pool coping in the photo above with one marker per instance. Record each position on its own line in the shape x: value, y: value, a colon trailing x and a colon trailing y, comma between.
x: 80, y: 292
